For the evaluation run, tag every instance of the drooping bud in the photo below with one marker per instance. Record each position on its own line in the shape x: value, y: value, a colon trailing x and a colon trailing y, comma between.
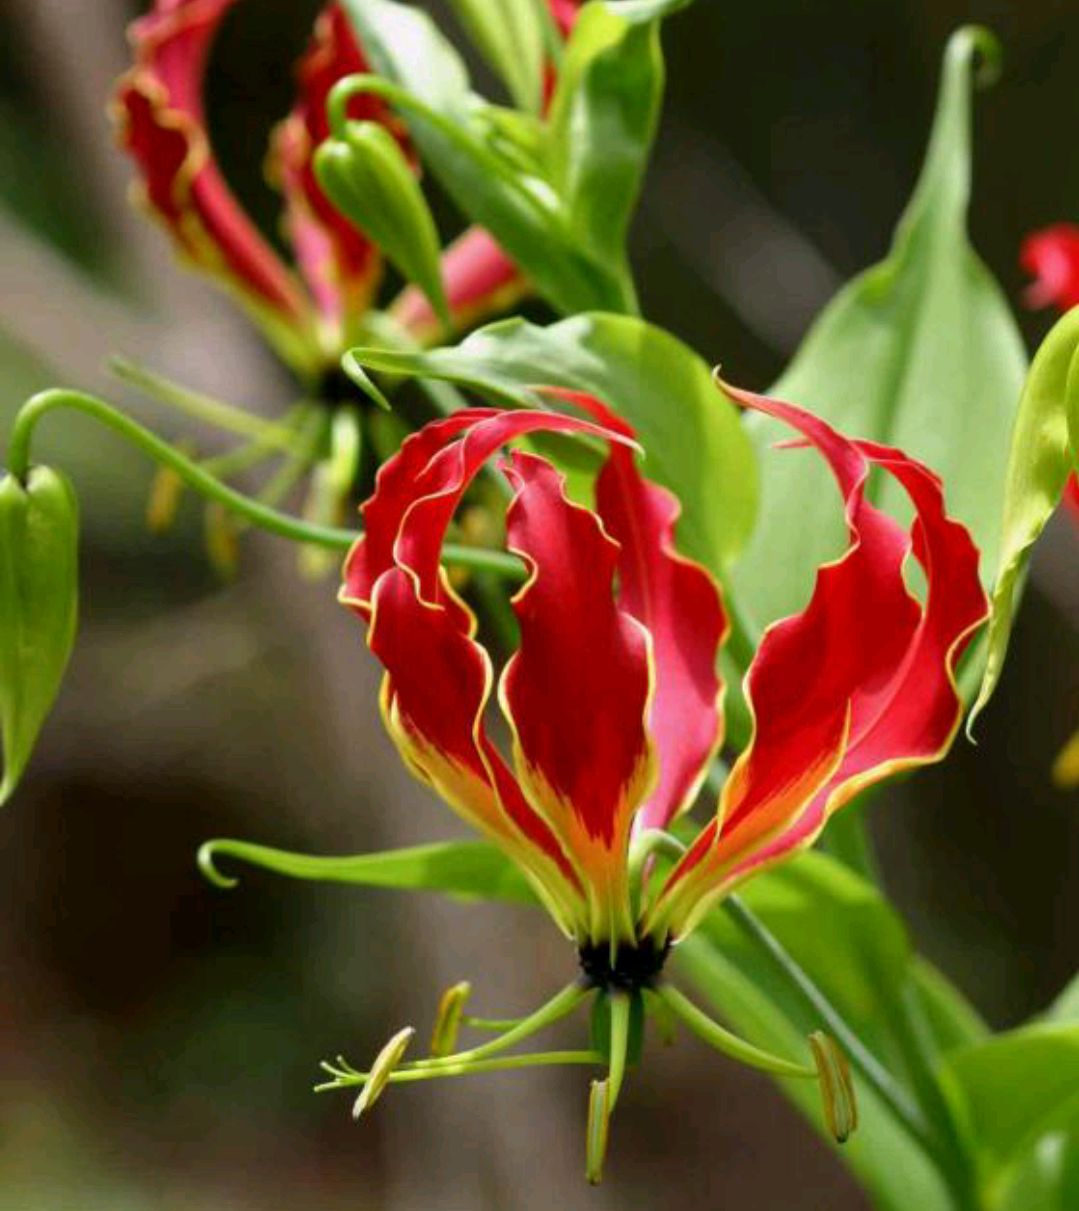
x: 448, y: 1022
x: 598, y: 1131
x: 382, y: 1069
x: 38, y: 607
x: 366, y: 175
x: 836, y: 1087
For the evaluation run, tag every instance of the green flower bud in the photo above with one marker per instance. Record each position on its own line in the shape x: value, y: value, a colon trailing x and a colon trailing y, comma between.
x: 38, y: 607
x: 367, y: 177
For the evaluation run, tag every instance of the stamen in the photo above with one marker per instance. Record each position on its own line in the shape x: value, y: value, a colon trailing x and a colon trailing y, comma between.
x: 727, y: 1043
x: 836, y: 1087
x: 382, y: 1070
x: 448, y: 1022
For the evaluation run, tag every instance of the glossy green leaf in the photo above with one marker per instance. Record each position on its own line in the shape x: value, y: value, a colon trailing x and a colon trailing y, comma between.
x: 1066, y: 1006
x: 950, y: 1019
x: 1044, y: 449
x: 466, y: 870
x: 694, y: 442
x: 603, y: 119
x: 556, y: 196
x: 920, y: 351
x: 848, y: 939
x: 366, y: 176
x: 1014, y: 1089
x: 510, y: 36
x: 1046, y: 1178
x: 38, y: 607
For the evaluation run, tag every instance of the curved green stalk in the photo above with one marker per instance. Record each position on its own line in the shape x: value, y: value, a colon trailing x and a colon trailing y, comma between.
x: 950, y: 1161
x: 727, y: 1043
x: 404, y: 1076
x: 195, y: 476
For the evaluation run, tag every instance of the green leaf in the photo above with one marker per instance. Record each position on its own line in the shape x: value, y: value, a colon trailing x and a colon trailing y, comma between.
x: 603, y: 120
x: 557, y: 197
x: 950, y: 1018
x: 367, y: 178
x: 1066, y: 1006
x: 848, y: 939
x: 1044, y: 449
x: 920, y: 351
x: 454, y: 129
x: 510, y: 36
x: 693, y: 440
x: 39, y: 531
x: 1014, y: 1089
x: 466, y: 870
x: 1047, y: 1178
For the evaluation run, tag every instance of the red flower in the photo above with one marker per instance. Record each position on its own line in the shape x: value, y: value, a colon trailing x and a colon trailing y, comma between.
x: 310, y: 311
x: 612, y: 698
x: 1052, y: 257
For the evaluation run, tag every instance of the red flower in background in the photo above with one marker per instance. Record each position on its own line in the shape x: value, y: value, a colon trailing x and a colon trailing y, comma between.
x: 612, y: 698
x: 310, y: 309
x: 1051, y: 256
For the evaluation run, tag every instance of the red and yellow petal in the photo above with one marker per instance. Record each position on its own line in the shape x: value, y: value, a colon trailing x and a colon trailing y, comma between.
x: 340, y: 265
x: 577, y: 692
x: 161, y: 123
x: 858, y: 686
x: 1051, y: 256
x: 438, y: 678
x: 437, y: 684
x: 679, y: 604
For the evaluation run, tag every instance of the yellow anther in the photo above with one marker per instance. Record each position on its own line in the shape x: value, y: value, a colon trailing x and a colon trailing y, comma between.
x: 166, y: 489
x: 382, y: 1069
x: 448, y: 1022
x: 222, y: 540
x: 836, y: 1087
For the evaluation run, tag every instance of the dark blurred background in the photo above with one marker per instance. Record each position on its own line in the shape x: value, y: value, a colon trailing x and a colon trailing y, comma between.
x: 160, y: 1036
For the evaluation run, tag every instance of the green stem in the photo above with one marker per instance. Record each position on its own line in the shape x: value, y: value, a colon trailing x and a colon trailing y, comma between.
x: 450, y: 129
x: 202, y: 407
x: 195, y: 476
x: 620, y: 1014
x: 558, y: 1007
x: 950, y: 1163
x: 727, y: 1043
x: 404, y: 1076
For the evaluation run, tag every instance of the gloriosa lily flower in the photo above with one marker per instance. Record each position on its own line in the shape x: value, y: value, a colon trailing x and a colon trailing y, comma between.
x: 310, y: 312
x: 613, y: 703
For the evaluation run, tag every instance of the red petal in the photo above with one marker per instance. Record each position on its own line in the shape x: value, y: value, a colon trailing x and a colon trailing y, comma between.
x: 159, y: 110
x: 1052, y: 257
x: 577, y: 691
x: 341, y: 266
x: 479, y: 279
x: 438, y: 677
x: 858, y: 686
x: 680, y: 605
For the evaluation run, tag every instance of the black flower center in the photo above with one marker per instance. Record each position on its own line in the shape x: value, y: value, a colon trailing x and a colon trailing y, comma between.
x: 630, y: 969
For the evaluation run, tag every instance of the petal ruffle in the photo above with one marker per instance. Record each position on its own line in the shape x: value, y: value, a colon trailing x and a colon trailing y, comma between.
x: 438, y: 679
x: 679, y: 604
x: 577, y: 691
x: 858, y: 686
x: 1051, y: 256
x: 161, y: 124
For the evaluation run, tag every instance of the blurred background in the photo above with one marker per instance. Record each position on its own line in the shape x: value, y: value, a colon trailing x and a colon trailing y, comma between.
x: 159, y: 1036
